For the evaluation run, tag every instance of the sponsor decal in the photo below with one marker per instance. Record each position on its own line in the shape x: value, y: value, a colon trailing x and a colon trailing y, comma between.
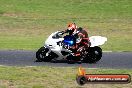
x: 83, y: 78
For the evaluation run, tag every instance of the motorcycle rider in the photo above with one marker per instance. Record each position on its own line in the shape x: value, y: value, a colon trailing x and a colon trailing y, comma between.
x: 82, y: 39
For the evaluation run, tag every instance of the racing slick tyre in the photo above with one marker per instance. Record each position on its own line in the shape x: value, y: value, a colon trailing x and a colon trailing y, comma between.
x: 41, y: 55
x: 94, y: 55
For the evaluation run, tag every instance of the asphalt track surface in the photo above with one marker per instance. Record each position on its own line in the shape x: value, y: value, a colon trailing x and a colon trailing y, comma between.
x: 120, y: 60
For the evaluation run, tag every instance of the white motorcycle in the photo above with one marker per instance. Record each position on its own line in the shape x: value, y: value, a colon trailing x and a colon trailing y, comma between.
x: 57, y: 47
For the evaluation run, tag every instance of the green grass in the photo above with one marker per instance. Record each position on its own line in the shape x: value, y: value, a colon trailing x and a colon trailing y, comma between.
x: 26, y: 24
x: 52, y: 77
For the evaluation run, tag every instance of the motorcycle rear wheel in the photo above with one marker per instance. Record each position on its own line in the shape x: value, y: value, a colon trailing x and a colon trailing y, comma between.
x: 94, y: 55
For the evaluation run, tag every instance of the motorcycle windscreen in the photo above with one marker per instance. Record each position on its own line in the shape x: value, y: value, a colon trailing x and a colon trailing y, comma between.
x: 69, y: 40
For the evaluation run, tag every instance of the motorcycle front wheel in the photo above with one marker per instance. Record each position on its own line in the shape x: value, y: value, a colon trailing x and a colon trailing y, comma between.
x: 41, y: 54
